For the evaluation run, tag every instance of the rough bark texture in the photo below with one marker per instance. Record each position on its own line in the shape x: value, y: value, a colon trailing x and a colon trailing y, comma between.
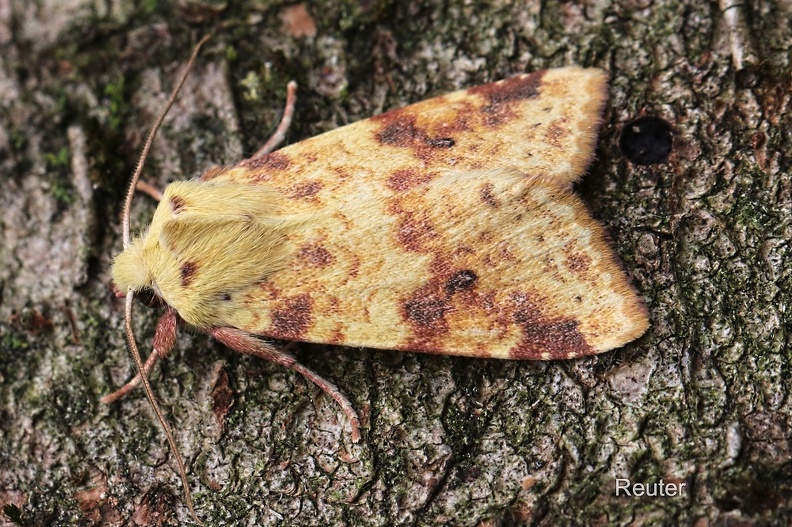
x: 702, y: 399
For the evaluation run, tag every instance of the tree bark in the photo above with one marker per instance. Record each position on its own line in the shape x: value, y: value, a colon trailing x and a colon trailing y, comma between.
x: 700, y: 402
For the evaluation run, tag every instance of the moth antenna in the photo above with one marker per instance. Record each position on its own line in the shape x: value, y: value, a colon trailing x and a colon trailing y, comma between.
x: 150, y: 396
x: 131, y: 295
x: 150, y: 140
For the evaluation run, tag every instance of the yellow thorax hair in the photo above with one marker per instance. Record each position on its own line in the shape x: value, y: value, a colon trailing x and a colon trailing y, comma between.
x: 208, y: 242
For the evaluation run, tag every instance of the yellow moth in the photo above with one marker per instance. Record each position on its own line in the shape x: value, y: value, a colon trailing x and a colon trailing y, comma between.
x: 448, y: 226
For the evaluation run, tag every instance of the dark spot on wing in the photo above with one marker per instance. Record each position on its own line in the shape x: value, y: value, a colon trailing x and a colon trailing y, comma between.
x: 293, y: 318
x: 188, y: 270
x: 440, y: 142
x: 315, y: 255
x: 543, y: 337
x: 177, y: 204
x: 414, y: 233
x: 502, y: 94
x: 399, y: 130
x: 578, y: 263
x: 307, y: 189
x: 404, y: 179
x: 516, y: 88
x: 425, y: 311
x: 426, y: 308
x: 487, y: 196
x: 272, y: 161
x: 555, y: 133
x: 460, y: 281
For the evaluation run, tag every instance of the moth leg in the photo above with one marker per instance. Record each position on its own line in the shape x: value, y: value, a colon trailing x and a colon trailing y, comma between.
x: 164, y: 338
x: 151, y: 190
x: 245, y: 343
x: 280, y: 133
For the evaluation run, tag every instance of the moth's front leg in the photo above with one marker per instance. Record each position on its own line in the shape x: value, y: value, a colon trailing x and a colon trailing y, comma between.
x: 164, y: 338
x: 150, y: 190
x: 280, y: 133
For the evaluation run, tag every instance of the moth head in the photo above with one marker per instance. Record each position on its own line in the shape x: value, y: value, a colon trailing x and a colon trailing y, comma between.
x: 130, y: 270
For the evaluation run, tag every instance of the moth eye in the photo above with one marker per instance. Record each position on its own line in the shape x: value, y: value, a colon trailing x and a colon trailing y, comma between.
x: 148, y: 298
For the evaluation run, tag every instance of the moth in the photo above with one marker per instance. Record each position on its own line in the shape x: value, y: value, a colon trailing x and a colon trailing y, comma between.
x: 448, y: 226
